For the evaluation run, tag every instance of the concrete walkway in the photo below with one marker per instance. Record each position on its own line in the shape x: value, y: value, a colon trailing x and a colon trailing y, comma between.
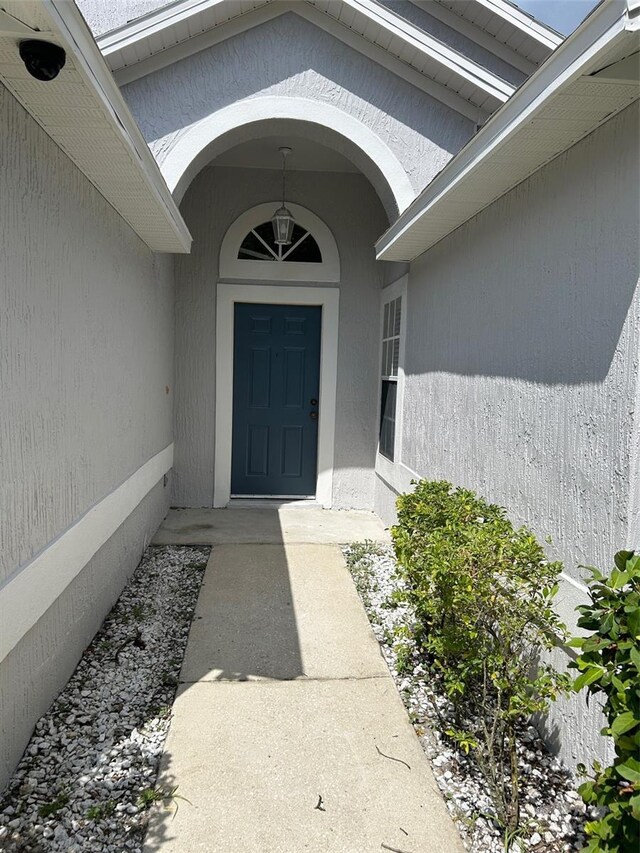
x: 285, y: 703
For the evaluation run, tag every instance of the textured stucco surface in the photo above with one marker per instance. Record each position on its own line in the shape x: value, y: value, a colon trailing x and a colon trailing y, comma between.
x: 86, y: 324
x: 33, y: 674
x: 289, y: 56
x: 102, y: 17
x: 523, y: 342
x: 348, y: 205
x: 87, y: 343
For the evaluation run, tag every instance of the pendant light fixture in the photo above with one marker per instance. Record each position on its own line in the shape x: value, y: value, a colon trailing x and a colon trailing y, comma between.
x: 282, y: 220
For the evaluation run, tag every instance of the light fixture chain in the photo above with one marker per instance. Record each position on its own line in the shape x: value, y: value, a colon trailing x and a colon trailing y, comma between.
x: 282, y: 220
x: 284, y: 166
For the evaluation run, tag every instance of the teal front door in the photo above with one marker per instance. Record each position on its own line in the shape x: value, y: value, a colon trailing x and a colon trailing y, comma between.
x: 276, y: 385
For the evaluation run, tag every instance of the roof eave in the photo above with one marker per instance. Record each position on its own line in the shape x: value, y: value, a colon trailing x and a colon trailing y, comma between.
x: 526, y: 23
x: 490, y: 91
x: 570, y: 61
x: 66, y: 26
x: 81, y: 42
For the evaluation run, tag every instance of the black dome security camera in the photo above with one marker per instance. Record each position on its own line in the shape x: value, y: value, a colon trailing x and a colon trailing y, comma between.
x: 42, y: 59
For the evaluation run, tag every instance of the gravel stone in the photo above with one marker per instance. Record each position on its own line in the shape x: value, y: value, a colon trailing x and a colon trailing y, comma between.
x: 552, y: 812
x: 98, y: 747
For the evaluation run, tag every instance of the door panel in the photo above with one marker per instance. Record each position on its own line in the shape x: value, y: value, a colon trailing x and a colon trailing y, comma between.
x: 292, y: 447
x: 259, y: 377
x: 294, y: 377
x: 276, y: 376
x: 257, y: 450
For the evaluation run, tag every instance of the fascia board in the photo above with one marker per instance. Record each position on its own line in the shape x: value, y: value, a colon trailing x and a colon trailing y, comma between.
x: 476, y: 34
x: 633, y: 15
x: 155, y: 22
x: 574, y: 57
x: 434, y: 49
x: 382, y: 57
x: 268, y: 11
x: 138, y: 31
x: 526, y: 24
x: 76, y: 38
x: 209, y: 38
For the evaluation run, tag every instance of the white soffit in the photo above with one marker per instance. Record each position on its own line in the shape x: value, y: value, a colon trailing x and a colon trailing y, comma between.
x: 588, y: 80
x: 173, y: 32
x: 510, y: 25
x: 476, y: 34
x: 84, y: 113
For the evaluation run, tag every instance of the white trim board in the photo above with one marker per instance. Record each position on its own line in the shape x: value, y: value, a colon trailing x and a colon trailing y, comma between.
x: 232, y: 26
x: 421, y: 225
x: 525, y: 23
x: 354, y: 39
x: 89, y: 60
x: 207, y: 138
x: 397, y: 288
x: 28, y: 594
x: 273, y: 294
x: 477, y: 35
x: 165, y: 36
x: 426, y: 45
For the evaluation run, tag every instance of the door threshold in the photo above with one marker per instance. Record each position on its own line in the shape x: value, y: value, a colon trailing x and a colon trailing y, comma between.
x: 251, y: 502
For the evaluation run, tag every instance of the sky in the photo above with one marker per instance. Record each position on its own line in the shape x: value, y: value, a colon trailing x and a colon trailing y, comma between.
x: 563, y: 15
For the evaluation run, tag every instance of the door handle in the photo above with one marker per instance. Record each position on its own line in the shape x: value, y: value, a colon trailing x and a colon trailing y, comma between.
x: 313, y: 416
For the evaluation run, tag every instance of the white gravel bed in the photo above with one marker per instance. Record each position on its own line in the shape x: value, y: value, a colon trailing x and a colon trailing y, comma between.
x: 88, y: 775
x: 552, y: 811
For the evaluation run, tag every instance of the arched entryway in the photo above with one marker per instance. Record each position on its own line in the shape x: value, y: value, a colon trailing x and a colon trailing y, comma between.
x: 340, y: 214
x: 210, y: 136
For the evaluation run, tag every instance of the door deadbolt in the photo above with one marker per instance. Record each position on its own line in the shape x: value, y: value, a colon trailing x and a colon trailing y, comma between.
x: 313, y: 402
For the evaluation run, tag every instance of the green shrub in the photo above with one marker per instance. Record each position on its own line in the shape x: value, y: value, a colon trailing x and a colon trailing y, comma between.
x: 609, y: 666
x: 483, y: 595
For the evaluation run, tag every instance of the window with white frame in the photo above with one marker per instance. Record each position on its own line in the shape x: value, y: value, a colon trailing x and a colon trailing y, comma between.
x: 391, y: 326
x: 249, y: 250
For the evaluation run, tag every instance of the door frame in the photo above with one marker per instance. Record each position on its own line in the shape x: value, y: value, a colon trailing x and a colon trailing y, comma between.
x: 328, y: 298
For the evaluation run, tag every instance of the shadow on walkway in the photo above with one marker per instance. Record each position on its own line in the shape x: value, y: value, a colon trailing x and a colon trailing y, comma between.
x: 285, y: 702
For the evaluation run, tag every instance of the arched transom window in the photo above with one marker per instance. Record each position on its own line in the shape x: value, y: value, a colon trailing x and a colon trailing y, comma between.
x: 249, y: 249
x: 260, y: 245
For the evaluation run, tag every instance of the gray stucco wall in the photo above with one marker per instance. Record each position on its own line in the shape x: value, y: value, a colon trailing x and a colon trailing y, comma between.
x: 86, y: 325
x: 348, y: 205
x: 291, y: 57
x: 523, y: 343
x: 87, y: 343
x: 35, y: 671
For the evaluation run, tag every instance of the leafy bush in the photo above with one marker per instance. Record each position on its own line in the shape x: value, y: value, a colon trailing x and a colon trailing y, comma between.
x: 483, y: 595
x: 609, y: 666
